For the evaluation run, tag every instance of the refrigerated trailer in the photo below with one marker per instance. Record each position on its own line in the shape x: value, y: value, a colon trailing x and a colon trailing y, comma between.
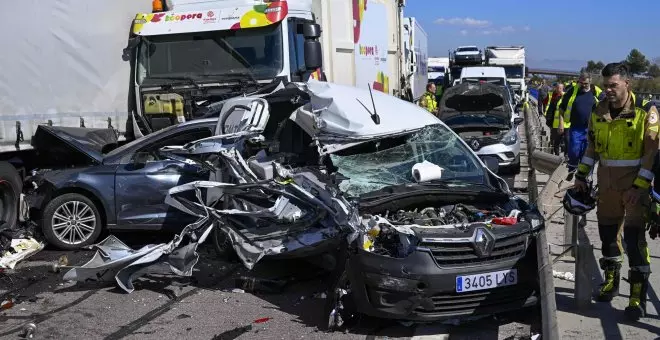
x: 414, y: 60
x: 135, y: 66
x: 512, y: 59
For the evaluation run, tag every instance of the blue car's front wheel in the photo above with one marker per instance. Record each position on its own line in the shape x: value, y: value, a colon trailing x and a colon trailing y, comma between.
x: 71, y: 221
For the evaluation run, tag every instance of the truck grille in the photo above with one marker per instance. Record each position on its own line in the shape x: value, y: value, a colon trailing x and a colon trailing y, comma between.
x: 457, y: 254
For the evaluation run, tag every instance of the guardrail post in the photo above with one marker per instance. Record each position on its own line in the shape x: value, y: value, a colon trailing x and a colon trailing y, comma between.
x: 583, y: 284
x: 570, y: 233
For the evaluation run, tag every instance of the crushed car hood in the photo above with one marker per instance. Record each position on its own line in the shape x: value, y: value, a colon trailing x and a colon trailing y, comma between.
x: 471, y: 97
x: 87, y: 141
x: 339, y: 116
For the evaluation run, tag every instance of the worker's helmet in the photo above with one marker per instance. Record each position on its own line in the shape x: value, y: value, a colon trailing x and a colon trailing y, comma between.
x: 579, y: 202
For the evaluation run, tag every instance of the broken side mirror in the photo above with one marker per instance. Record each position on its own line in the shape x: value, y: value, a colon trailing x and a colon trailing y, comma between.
x: 491, y: 163
x: 517, y: 121
x: 313, y: 54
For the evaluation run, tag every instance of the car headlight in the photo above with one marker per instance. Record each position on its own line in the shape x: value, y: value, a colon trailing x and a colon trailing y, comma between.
x: 510, y: 137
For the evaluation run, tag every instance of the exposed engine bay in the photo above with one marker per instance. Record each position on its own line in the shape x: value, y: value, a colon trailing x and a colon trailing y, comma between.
x: 395, y: 234
x: 457, y: 214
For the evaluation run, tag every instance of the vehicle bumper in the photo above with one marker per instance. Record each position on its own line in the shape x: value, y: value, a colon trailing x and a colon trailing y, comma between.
x: 468, y: 59
x: 416, y: 288
x: 506, y: 154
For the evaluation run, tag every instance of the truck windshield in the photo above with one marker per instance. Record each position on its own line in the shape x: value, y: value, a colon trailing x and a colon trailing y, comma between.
x: 254, y: 50
x: 515, y: 71
x: 440, y: 69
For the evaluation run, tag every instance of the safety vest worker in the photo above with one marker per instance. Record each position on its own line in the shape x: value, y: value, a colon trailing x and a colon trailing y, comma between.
x: 623, y: 138
x: 573, y: 113
x: 428, y: 99
x: 548, y: 99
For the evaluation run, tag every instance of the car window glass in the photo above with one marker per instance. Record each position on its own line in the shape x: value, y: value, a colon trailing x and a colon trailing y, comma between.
x: 177, y: 139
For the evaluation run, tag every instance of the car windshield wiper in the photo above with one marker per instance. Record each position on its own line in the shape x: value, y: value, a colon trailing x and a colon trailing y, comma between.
x: 186, y: 79
x: 241, y: 77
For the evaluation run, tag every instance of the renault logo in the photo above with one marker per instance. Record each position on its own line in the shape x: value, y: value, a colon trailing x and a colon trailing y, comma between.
x: 483, y: 242
x: 474, y: 144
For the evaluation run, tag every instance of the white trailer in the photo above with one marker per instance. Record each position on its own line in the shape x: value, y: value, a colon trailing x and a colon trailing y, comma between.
x: 438, y: 69
x: 414, y: 59
x: 361, y: 42
x: 512, y: 59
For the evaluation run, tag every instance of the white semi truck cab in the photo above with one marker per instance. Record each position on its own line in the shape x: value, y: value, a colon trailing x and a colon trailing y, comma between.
x: 188, y: 54
x: 512, y: 59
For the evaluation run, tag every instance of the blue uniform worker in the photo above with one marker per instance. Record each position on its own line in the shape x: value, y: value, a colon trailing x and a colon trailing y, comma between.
x: 576, y: 107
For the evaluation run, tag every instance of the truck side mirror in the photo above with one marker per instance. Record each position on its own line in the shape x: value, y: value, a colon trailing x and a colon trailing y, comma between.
x: 311, y: 30
x: 313, y: 54
x: 131, y: 45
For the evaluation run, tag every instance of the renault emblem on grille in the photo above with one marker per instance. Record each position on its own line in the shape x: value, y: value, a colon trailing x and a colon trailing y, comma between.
x: 474, y: 144
x: 483, y: 242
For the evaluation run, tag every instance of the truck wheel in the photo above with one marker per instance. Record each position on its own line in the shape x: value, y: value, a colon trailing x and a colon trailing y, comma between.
x: 10, y: 192
x: 71, y: 221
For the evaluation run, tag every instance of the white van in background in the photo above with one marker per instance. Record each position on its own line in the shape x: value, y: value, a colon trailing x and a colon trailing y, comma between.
x: 487, y: 74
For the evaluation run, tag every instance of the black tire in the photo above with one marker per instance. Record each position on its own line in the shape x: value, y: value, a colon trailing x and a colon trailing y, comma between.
x: 68, y: 199
x: 11, y: 186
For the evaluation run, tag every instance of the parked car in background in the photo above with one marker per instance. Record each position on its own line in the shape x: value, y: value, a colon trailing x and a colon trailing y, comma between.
x: 484, y: 74
x: 468, y: 55
x: 482, y: 115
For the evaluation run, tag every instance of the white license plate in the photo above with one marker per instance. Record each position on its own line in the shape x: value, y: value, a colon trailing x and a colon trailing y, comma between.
x: 468, y: 283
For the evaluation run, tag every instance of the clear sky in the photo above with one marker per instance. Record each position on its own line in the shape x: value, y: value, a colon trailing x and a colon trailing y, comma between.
x: 558, y: 34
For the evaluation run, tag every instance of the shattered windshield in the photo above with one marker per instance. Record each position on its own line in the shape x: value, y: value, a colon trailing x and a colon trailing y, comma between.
x: 375, y: 165
x: 256, y: 50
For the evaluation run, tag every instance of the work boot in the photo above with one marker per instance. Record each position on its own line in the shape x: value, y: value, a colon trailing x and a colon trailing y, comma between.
x: 639, y: 283
x: 610, y: 287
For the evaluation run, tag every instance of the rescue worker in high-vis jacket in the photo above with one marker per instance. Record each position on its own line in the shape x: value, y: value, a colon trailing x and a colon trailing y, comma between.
x: 553, y: 102
x: 428, y: 99
x: 573, y: 115
x: 623, y: 138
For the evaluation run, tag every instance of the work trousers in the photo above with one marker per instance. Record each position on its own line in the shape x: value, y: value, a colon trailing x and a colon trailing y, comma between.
x: 577, y: 144
x: 556, y: 139
x: 617, y: 221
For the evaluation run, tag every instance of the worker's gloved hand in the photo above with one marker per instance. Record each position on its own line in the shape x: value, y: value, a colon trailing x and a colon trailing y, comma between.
x: 581, y: 184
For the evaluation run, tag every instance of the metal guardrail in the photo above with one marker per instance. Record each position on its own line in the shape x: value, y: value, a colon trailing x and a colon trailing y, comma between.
x: 533, y: 126
x: 548, y: 202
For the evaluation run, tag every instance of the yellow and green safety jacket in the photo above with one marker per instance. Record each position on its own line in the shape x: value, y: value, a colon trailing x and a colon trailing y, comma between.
x: 567, y: 114
x: 625, y: 146
x: 545, y: 110
x: 428, y: 102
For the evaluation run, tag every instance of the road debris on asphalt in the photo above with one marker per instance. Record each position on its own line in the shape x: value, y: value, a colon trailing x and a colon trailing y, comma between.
x: 568, y: 276
x: 19, y: 249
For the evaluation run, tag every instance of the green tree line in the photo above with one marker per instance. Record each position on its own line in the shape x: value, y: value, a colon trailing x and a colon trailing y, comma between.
x: 647, y: 72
